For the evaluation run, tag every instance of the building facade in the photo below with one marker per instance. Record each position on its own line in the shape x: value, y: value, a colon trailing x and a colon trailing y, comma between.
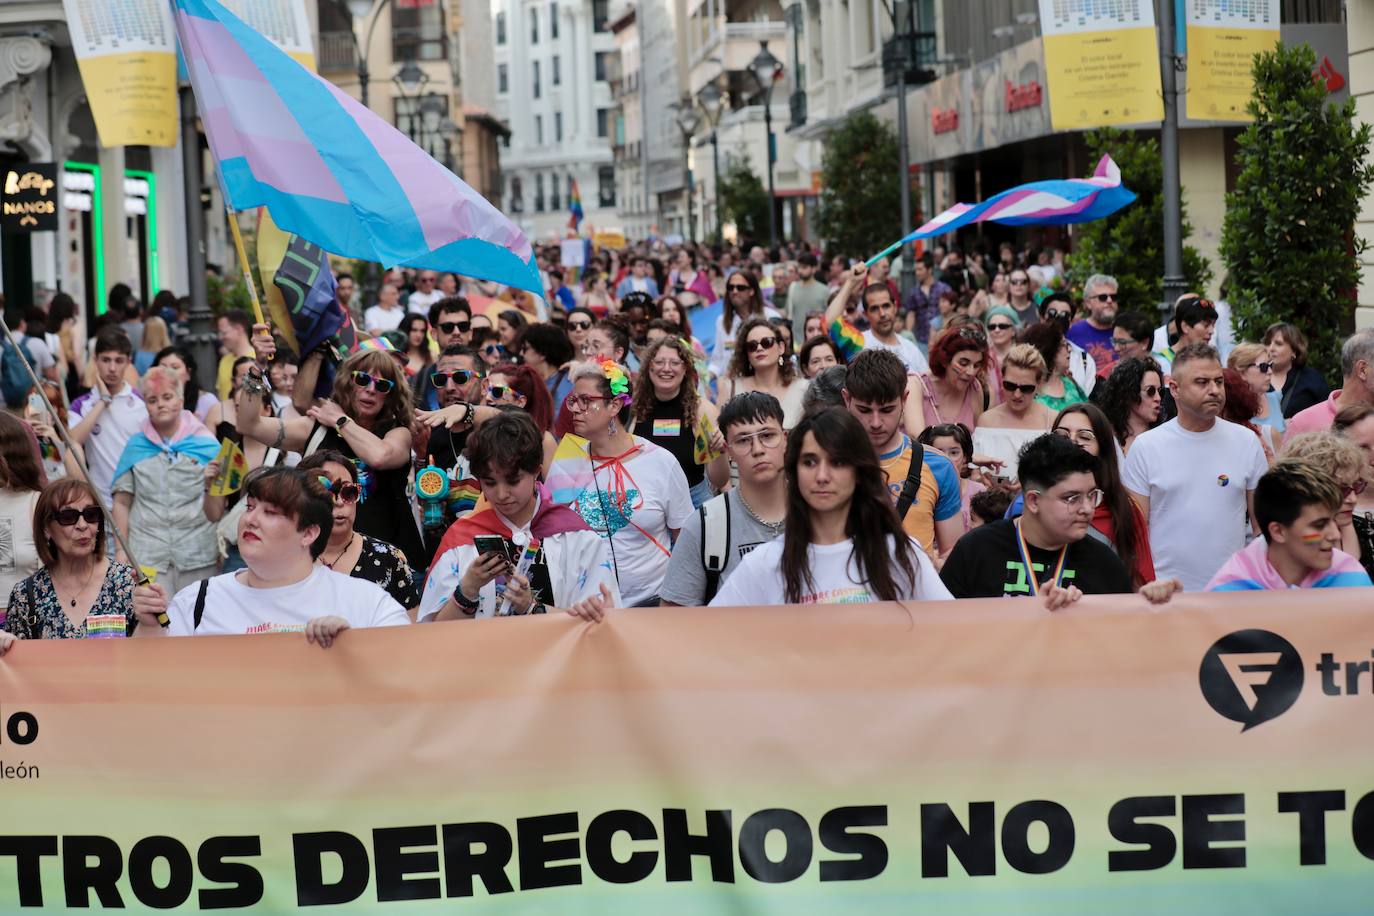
x: 551, y: 64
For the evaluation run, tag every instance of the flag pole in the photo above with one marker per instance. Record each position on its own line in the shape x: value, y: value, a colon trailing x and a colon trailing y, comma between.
x: 61, y: 429
x: 247, y: 268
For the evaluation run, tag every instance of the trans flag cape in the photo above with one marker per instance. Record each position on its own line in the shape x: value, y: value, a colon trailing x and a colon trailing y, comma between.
x: 192, y: 438
x: 549, y: 519
x: 1040, y: 203
x: 330, y: 170
x: 1249, y: 569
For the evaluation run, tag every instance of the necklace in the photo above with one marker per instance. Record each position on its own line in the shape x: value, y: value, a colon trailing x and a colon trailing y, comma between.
x: 775, y: 527
x: 85, y: 585
x: 344, y: 551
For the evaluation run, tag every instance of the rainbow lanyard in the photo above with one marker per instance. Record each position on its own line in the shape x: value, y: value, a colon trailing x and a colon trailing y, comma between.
x: 1058, y: 574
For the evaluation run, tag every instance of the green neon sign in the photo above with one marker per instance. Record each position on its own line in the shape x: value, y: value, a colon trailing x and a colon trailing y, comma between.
x: 97, y: 231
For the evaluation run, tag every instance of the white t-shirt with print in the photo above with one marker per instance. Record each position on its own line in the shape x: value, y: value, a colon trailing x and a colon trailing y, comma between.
x: 834, y: 575
x: 1196, y: 484
x: 579, y: 564
x: 658, y: 499
x: 378, y: 319
x: 232, y: 608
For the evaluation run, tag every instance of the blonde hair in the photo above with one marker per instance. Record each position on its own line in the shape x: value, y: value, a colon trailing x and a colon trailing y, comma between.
x: 1333, y: 455
x: 1245, y: 355
x: 159, y: 379
x: 155, y: 336
x: 1025, y: 356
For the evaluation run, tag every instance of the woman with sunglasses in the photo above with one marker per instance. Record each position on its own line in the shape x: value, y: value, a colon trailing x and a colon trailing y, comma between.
x: 1059, y: 390
x: 1019, y: 297
x: 1132, y: 398
x: 367, y: 418
x: 669, y: 411
x: 78, y: 593
x: 579, y: 324
x: 760, y: 363
x: 487, y: 344
x: 1003, y: 429
x: 1341, y: 460
x: 1251, y: 360
x: 509, y: 385
x: 159, y: 487
x: 348, y: 551
x: 1002, y: 326
x: 743, y: 300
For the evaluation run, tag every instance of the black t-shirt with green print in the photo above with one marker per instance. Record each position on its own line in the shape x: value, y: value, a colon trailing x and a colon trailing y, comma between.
x: 986, y: 563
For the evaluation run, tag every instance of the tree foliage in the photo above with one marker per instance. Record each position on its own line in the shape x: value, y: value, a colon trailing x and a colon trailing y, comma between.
x: 1288, y: 237
x: 1129, y: 244
x: 859, y: 212
x: 743, y: 198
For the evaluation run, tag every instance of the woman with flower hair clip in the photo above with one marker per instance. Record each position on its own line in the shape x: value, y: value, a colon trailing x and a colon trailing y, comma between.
x: 668, y: 411
x: 637, y: 496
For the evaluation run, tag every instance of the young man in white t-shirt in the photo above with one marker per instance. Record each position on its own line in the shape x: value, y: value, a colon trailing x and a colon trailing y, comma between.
x: 568, y: 561
x: 1194, y: 477
x: 104, y: 419
x: 284, y: 529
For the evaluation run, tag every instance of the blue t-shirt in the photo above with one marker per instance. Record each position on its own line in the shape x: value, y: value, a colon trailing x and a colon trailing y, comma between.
x: 1097, y: 341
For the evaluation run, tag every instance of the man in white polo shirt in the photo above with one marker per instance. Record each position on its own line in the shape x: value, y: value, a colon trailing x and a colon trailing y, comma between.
x: 103, y: 420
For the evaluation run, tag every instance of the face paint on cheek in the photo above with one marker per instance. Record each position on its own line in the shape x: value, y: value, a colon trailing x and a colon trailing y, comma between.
x: 1315, y: 537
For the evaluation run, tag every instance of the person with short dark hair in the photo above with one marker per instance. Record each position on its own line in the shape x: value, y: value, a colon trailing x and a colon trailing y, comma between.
x: 1094, y: 333
x: 818, y: 354
x: 281, y: 534
x: 988, y: 506
x: 450, y: 322
x: 1298, y: 384
x: 1132, y: 333
x: 1045, y: 553
x: 1296, y: 505
x: 826, y: 390
x: 104, y: 419
x: 547, y: 350
x: 880, y: 308
x: 842, y: 541
x: 752, y: 513
x: 806, y: 294
x: 1196, y: 319
x: 1194, y: 476
x: 636, y: 281
x: 569, y: 564
x: 923, y: 302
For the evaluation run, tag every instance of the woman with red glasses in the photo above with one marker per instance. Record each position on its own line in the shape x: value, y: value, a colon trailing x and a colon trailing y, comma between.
x: 350, y: 552
x: 77, y: 593
x: 367, y: 418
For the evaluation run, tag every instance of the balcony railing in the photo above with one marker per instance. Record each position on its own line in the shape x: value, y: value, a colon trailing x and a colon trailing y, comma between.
x: 337, y: 52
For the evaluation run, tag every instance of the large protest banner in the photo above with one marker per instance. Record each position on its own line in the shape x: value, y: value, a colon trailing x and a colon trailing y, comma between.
x: 966, y: 757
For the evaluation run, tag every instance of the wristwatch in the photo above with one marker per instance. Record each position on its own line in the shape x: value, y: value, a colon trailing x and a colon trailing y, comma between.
x: 538, y: 608
x: 465, y: 604
x: 342, y: 422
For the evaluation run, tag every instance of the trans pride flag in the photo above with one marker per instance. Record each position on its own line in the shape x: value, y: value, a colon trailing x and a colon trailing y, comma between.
x: 1039, y: 203
x: 330, y: 170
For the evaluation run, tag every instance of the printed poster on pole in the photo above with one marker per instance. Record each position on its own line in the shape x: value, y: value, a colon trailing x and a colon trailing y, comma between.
x: 1101, y: 62
x: 1223, y: 38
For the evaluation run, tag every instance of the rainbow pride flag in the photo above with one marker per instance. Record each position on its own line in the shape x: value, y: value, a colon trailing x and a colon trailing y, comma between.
x: 575, y: 214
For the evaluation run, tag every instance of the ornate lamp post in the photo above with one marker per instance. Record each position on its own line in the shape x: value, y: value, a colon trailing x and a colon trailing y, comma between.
x: 767, y: 70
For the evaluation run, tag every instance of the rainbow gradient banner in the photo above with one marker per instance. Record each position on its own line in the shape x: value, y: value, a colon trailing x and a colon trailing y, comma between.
x: 965, y: 757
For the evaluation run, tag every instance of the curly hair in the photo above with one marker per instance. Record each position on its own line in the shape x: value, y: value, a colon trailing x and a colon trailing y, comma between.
x: 1335, y: 455
x: 1120, y: 393
x: 397, y: 407
x: 642, y: 407
x: 740, y: 365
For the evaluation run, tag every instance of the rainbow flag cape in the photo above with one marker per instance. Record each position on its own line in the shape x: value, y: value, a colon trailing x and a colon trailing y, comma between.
x: 1039, y: 203
x: 575, y: 213
x: 330, y: 170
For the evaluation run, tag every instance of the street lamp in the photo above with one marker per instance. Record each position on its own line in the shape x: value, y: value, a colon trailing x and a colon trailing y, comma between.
x: 712, y: 102
x: 409, y: 80
x: 767, y: 70
x: 359, y: 10
x: 900, y: 54
x: 688, y: 120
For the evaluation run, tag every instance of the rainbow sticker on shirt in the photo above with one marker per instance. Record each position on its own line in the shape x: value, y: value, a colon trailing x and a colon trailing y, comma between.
x: 106, y: 626
x: 667, y: 428
x: 1223, y: 480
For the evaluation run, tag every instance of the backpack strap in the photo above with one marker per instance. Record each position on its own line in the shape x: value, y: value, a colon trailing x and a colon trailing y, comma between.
x: 199, y: 611
x: 312, y: 445
x: 715, y: 541
x: 913, y: 479
x: 28, y: 593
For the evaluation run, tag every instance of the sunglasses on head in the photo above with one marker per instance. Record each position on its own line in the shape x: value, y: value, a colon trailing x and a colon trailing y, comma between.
x: 368, y: 380
x: 69, y: 516
x: 448, y: 327
x: 760, y: 343
x: 458, y: 377
x: 345, y: 490
x: 969, y: 332
x: 1011, y: 387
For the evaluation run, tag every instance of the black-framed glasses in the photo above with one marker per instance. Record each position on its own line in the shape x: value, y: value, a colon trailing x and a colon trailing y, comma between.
x: 1264, y: 368
x: 368, y: 380
x: 1355, y: 489
x: 342, y: 490
x: 90, y: 515
x: 739, y: 288
x: 448, y: 327
x: 760, y: 343
x: 1122, y: 341
x: 579, y: 325
x: 458, y: 377
x: 1011, y: 387
x: 1001, y: 326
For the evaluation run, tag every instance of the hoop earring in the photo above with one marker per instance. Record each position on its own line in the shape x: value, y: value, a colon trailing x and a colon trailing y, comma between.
x: 782, y: 360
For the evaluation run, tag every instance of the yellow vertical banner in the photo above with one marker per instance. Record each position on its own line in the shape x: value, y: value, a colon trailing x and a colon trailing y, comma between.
x: 1223, y: 39
x: 1101, y: 63
x: 126, y: 51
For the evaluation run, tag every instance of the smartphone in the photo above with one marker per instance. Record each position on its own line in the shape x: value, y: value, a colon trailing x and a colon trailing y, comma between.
x: 36, y: 404
x: 491, y: 543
